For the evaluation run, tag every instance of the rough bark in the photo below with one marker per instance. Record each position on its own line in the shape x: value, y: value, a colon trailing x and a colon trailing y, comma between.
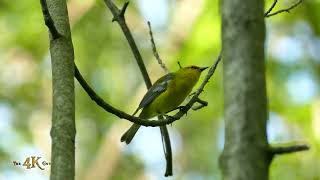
x: 63, y: 110
x: 245, y: 155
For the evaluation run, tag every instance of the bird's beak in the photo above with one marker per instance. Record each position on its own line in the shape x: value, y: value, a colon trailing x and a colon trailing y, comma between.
x: 203, y: 68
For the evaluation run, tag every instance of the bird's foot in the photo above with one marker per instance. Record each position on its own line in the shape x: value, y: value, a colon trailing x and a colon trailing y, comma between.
x: 182, y: 108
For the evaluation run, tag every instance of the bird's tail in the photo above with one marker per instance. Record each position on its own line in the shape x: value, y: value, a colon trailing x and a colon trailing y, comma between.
x: 129, y: 134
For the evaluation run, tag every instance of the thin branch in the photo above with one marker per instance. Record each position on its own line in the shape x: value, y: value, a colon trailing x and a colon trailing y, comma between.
x: 118, y: 15
x: 100, y: 102
x: 166, y: 148
x: 288, y: 149
x: 270, y: 9
x: 201, y: 105
x: 193, y: 93
x: 144, y: 122
x: 154, y: 49
x: 48, y: 20
x: 123, y: 9
x: 284, y: 10
x: 293, y: 148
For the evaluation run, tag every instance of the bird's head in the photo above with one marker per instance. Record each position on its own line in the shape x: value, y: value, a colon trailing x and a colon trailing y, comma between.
x: 191, y: 71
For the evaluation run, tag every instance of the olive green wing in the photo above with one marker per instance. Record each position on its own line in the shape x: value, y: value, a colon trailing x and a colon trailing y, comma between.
x: 156, y: 89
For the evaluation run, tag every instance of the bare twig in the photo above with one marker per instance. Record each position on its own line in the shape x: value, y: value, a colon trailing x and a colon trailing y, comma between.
x: 166, y: 148
x: 293, y: 148
x: 288, y: 149
x: 106, y: 106
x: 193, y: 93
x: 201, y: 105
x: 118, y: 15
x: 154, y: 49
x: 270, y: 9
x: 48, y: 20
x: 179, y: 65
x: 123, y: 9
x: 269, y: 14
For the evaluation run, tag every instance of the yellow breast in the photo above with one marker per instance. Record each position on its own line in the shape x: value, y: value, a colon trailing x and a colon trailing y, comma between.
x: 175, y: 94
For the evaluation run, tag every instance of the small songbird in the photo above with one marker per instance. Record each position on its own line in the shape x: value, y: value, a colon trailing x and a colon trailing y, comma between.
x: 165, y: 95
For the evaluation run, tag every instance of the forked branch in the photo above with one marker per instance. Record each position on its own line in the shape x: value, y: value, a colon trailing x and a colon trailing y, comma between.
x: 269, y: 14
x: 118, y: 16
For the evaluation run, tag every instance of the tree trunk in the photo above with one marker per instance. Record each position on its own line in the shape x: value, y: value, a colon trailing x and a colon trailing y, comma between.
x: 63, y: 119
x: 245, y: 155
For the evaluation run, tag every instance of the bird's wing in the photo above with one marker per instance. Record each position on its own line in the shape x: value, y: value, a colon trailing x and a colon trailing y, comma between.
x: 156, y: 89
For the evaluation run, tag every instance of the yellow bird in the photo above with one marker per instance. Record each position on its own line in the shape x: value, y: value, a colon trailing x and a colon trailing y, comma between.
x: 165, y: 95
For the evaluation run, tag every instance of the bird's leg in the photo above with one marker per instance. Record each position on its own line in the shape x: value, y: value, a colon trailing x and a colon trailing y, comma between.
x: 168, y: 116
x: 183, y: 109
x: 165, y: 114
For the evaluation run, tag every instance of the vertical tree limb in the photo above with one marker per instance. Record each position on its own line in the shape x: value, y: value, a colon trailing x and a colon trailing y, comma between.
x: 245, y: 154
x: 63, y: 111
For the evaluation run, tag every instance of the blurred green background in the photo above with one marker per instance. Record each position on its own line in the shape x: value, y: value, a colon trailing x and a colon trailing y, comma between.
x: 185, y: 30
